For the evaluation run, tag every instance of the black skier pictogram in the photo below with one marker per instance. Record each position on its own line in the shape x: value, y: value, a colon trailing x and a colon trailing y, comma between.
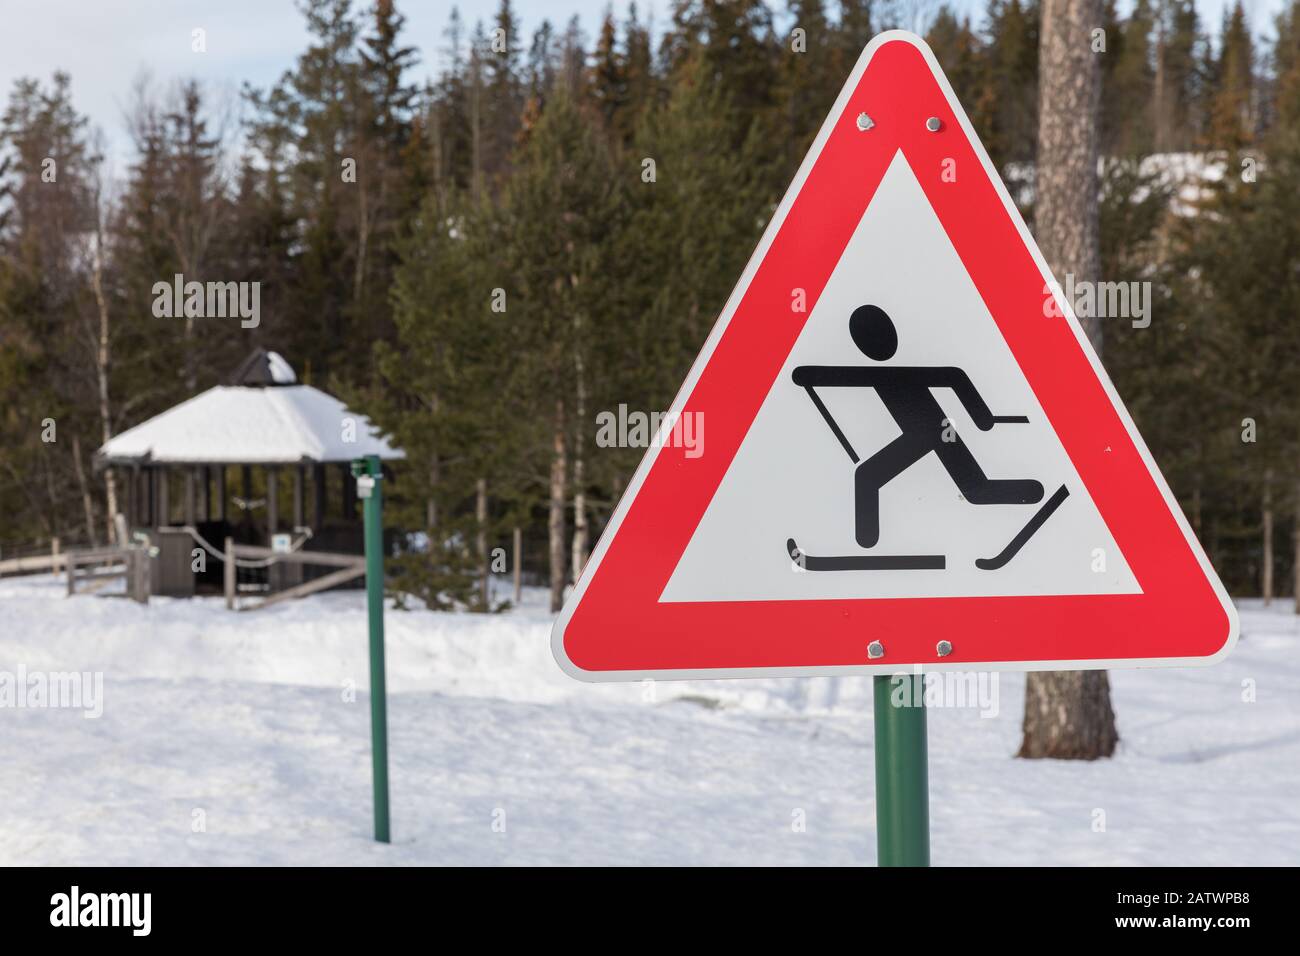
x: 906, y: 392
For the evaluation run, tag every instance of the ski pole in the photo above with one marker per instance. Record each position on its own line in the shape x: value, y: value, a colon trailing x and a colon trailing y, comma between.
x: 831, y: 422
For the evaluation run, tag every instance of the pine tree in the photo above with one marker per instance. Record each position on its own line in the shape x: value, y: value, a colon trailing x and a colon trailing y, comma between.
x: 958, y: 50
x: 315, y: 109
x: 609, y: 89
x: 448, y: 115
x: 1005, y: 112
x: 390, y: 162
x: 691, y: 228
x: 444, y: 385
x: 733, y: 43
x: 1239, y: 256
x: 1178, y: 83
x: 1232, y: 100
x: 1128, y: 86
x: 49, y: 178
x: 853, y: 31
x: 1286, y: 68
x: 192, y: 213
x: 561, y: 206
x: 810, y: 76
x: 503, y: 91
x: 642, y: 81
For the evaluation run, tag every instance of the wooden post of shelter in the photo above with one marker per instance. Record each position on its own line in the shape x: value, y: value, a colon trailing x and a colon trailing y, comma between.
x: 162, y: 478
x: 221, y: 492
x: 348, y: 501
x: 229, y: 574
x: 297, y: 497
x: 205, y: 493
x: 272, y: 502
x: 519, y: 564
x: 318, y: 496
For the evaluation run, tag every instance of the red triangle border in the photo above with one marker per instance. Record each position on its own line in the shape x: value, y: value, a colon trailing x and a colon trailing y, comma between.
x: 614, y: 627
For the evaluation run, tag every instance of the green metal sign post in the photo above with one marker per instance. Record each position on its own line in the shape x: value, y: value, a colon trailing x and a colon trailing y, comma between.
x: 369, y: 474
x: 902, y: 774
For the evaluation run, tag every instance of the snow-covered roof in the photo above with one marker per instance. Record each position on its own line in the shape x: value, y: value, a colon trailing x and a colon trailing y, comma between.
x: 233, y: 424
x: 264, y: 368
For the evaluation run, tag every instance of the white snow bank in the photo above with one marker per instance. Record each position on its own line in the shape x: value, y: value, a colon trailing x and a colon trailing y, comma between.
x: 243, y: 721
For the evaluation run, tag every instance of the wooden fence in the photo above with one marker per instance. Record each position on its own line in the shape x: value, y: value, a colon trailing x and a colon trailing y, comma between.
x: 39, y: 560
x: 94, y: 568
x: 350, y: 566
x: 90, y: 569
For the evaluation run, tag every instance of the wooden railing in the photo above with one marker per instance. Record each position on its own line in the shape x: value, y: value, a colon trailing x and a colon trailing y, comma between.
x: 42, y: 560
x: 351, y: 566
x: 99, y: 566
x: 89, y: 569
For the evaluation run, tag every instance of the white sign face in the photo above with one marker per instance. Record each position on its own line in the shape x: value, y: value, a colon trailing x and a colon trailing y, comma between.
x: 793, y: 479
x: 281, y: 543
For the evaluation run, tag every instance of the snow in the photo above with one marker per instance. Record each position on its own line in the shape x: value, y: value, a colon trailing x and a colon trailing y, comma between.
x: 1190, y: 177
x: 281, y: 371
x: 245, y: 722
x: 240, y: 424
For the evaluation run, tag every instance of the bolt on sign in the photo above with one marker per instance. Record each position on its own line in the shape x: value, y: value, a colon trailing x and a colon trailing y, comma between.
x: 921, y: 463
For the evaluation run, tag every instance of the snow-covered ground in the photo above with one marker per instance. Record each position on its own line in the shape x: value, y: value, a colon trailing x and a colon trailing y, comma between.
x: 237, y: 738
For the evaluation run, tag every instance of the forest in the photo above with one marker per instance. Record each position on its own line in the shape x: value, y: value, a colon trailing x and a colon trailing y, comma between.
x: 493, y: 258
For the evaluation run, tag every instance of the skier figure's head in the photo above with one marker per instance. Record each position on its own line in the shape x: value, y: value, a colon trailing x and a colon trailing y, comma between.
x: 873, y: 332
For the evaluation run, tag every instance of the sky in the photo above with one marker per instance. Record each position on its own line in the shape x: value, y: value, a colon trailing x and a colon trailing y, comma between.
x: 108, y: 45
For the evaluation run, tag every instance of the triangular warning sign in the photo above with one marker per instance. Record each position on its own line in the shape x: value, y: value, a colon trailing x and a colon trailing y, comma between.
x: 900, y: 436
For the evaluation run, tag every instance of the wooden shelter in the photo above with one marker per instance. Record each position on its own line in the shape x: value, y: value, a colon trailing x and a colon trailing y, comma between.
x: 259, y: 457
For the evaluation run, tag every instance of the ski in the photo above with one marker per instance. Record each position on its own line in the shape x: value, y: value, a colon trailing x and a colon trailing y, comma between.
x: 1027, y: 532
x: 864, y: 562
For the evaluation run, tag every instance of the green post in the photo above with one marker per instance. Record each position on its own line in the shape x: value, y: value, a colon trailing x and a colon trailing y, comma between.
x: 902, y: 777
x: 370, y: 490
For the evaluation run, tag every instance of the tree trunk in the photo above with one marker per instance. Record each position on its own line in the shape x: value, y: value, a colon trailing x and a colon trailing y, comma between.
x: 555, y: 521
x: 431, y: 516
x: 1295, y: 543
x: 1159, y: 89
x: 87, y: 503
x: 519, y: 564
x: 580, y: 533
x: 189, y: 369
x: 1065, y: 205
x: 1068, y: 715
x: 1266, y: 569
x: 102, y: 356
x: 480, y: 519
x: 363, y: 240
x: 476, y: 134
